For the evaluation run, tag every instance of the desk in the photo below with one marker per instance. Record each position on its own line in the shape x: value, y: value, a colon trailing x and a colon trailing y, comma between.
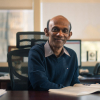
x: 91, y: 80
x: 44, y: 95
x: 4, y: 81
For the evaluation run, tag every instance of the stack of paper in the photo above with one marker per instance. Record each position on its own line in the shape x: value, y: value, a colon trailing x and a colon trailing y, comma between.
x: 78, y: 89
x: 2, y: 91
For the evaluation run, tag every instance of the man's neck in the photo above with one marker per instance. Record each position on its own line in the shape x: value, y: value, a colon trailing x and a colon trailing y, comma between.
x: 57, y: 51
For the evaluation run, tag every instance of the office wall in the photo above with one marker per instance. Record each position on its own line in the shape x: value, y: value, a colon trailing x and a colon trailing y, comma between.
x: 75, y: 1
x: 83, y: 14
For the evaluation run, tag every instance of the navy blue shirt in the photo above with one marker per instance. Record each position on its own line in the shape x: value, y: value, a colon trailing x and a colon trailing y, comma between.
x: 51, y: 72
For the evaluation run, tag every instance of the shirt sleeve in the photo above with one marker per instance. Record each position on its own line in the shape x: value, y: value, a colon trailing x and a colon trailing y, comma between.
x: 37, y: 74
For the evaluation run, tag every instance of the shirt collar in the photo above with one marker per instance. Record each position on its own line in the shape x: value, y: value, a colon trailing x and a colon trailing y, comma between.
x: 48, y: 50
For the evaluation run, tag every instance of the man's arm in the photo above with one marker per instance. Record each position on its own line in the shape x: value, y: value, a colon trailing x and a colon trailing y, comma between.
x: 36, y: 73
x: 76, y: 73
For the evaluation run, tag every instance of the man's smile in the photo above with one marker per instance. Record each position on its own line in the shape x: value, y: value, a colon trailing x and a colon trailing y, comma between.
x: 58, y: 39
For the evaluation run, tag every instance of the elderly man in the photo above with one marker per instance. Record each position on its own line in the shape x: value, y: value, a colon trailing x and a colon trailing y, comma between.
x: 51, y: 65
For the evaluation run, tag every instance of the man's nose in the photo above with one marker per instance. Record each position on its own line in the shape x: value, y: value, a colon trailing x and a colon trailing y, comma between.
x: 60, y: 33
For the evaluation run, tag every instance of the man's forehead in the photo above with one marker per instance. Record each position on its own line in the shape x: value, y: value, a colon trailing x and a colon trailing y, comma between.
x: 63, y: 23
x: 59, y: 21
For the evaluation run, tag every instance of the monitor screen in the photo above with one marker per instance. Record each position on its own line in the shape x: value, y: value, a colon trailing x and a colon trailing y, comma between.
x: 76, y: 46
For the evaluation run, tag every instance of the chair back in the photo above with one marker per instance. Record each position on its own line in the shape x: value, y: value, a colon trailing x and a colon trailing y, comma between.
x: 18, y: 59
x: 97, y: 69
x: 18, y: 68
x: 29, y: 39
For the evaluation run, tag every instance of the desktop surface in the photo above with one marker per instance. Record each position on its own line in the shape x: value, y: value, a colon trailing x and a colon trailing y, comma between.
x: 45, y: 95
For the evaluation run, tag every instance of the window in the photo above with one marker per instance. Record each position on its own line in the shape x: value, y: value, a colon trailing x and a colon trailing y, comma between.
x: 11, y: 22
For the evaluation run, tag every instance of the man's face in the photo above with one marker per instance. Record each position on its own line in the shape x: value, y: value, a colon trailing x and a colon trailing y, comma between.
x: 58, y: 32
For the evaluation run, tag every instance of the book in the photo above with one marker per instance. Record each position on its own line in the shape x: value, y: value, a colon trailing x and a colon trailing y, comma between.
x: 77, y: 89
x: 2, y: 91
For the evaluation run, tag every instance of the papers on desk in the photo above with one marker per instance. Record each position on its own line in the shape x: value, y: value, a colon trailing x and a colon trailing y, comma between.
x: 2, y: 91
x: 5, y: 77
x: 80, y: 77
x: 4, y: 74
x: 77, y: 89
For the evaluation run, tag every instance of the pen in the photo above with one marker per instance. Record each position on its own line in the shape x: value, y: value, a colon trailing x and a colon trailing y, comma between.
x: 87, y: 84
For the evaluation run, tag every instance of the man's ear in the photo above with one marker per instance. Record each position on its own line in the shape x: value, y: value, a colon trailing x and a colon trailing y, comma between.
x: 70, y: 34
x: 46, y: 32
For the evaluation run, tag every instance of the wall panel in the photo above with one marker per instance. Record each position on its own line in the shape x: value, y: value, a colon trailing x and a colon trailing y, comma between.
x: 84, y: 18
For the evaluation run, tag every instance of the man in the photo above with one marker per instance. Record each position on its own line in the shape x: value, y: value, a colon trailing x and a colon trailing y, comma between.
x: 51, y: 65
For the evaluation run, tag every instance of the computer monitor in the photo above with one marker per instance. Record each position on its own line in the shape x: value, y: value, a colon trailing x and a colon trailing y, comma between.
x: 76, y: 46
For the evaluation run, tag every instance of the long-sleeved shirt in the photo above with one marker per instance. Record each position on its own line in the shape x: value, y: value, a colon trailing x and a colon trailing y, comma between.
x: 49, y: 72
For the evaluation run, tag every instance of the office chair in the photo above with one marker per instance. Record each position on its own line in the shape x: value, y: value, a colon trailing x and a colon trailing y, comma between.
x: 97, y: 69
x: 17, y: 62
x: 18, y: 59
x: 27, y: 39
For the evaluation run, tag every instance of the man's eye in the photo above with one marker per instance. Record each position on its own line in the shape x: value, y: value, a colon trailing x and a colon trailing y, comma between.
x: 55, y: 29
x: 65, y: 31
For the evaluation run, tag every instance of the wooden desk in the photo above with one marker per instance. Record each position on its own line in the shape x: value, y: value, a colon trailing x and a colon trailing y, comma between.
x: 90, y: 80
x: 44, y: 95
x: 4, y: 81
